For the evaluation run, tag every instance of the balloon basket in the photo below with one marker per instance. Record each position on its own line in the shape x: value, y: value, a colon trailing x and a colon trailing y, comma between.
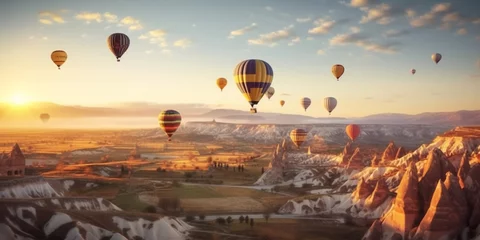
x: 253, y: 110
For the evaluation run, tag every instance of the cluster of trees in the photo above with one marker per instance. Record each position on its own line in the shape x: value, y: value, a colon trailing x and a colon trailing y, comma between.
x: 169, y: 204
x: 226, y: 166
x: 246, y: 220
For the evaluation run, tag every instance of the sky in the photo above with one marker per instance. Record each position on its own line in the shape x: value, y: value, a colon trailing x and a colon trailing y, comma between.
x: 180, y: 47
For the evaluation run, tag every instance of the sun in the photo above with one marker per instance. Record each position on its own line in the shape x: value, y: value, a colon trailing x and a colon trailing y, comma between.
x: 18, y: 99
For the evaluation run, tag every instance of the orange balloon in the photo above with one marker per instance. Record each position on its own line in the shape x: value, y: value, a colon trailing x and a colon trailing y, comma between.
x: 353, y: 131
x: 282, y: 102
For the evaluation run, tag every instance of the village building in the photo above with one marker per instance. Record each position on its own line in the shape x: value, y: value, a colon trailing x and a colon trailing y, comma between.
x: 13, y: 163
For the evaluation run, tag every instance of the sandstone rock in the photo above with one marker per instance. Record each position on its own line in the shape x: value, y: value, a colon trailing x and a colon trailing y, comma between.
x: 458, y: 197
x: 400, y: 153
x: 362, y: 191
x: 375, y: 161
x: 441, y: 221
x: 356, y: 160
x: 378, y: 196
x: 389, y: 153
x: 347, y: 153
x: 463, y: 169
x: 374, y: 232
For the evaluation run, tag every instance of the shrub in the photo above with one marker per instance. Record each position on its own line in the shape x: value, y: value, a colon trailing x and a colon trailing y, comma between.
x: 150, y: 209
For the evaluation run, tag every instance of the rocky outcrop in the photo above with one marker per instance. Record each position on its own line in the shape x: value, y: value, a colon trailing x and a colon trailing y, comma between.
x: 463, y: 169
x: 404, y: 214
x: 362, y: 191
x: 378, y: 196
x: 375, y: 231
x: 389, y: 154
x: 400, y: 153
x: 347, y: 153
x: 472, y: 184
x: 356, y: 160
x: 458, y: 197
x: 375, y: 161
x: 434, y: 170
x: 441, y: 221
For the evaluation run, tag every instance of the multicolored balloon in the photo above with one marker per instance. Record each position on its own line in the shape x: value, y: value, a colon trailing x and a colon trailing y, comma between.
x: 413, y: 71
x: 44, y: 117
x: 436, y: 57
x: 59, y: 57
x: 305, y: 102
x: 118, y: 44
x: 338, y: 70
x: 282, y: 102
x: 298, y: 136
x: 329, y: 103
x: 169, y: 121
x: 221, y: 83
x: 270, y: 92
x: 352, y: 131
x: 253, y: 78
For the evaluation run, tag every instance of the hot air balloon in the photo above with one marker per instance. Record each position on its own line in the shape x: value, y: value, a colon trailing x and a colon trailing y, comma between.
x: 59, y: 57
x: 45, y: 117
x: 118, y: 44
x: 352, y: 131
x: 329, y: 103
x: 338, y: 70
x: 298, y: 136
x: 282, y: 102
x: 169, y: 121
x: 436, y: 57
x: 221, y: 83
x: 305, y: 102
x: 270, y: 92
x: 413, y: 71
x: 253, y: 78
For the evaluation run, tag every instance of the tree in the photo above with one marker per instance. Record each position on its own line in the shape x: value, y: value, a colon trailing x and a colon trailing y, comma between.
x: 246, y: 219
x: 150, y: 209
x: 263, y: 170
x: 251, y: 222
x: 229, y: 220
x: 201, y: 216
x: 189, y: 218
x: 241, y: 219
x: 266, y: 216
x: 220, y: 221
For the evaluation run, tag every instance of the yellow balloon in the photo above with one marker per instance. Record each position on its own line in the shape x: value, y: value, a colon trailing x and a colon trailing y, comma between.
x: 221, y: 83
x: 59, y: 57
x: 282, y: 103
x: 338, y: 70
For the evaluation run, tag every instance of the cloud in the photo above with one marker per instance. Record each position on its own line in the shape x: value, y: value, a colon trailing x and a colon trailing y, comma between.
x: 111, y: 18
x: 361, y: 3
x: 45, y: 38
x: 131, y: 23
x: 304, y: 20
x: 323, y: 26
x: 382, y: 14
x: 462, y: 31
x: 294, y: 41
x: 157, y: 37
x: 49, y: 17
x: 242, y: 31
x: 272, y: 38
x: 363, y: 41
x: 430, y: 17
x: 182, y: 43
x: 395, y: 33
x: 149, y: 51
x: 89, y: 17
x: 166, y: 51
x: 268, y: 8
x: 320, y: 52
x: 285, y: 94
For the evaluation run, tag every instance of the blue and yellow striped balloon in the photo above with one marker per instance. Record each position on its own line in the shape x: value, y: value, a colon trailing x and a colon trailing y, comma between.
x: 253, y: 77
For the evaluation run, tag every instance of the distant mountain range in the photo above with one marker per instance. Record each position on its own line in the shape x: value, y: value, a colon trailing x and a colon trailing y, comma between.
x: 200, y: 112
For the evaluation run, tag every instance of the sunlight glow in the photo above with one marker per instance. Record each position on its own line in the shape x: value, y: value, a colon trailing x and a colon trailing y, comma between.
x: 18, y: 99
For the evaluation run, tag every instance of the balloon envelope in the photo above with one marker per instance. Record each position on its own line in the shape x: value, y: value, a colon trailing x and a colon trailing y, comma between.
x: 298, y: 136
x: 221, y: 83
x: 282, y: 102
x: 253, y: 78
x: 118, y: 44
x: 305, y: 102
x: 352, y: 131
x: 59, y: 57
x: 45, y: 117
x: 338, y: 70
x: 413, y: 71
x: 169, y: 121
x: 436, y: 57
x: 270, y: 92
x: 329, y: 103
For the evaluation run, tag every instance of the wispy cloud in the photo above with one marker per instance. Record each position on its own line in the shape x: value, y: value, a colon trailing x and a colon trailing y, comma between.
x: 361, y: 3
x: 50, y: 17
x: 304, y: 20
x: 429, y: 18
x: 462, y: 31
x: 89, y: 17
x: 268, y: 8
x: 382, y: 14
x: 294, y: 41
x: 149, y: 51
x: 356, y: 37
x: 183, y: 43
x: 157, y: 37
x: 271, y: 39
x: 110, y: 17
x: 325, y: 25
x: 320, y: 52
x: 392, y: 33
x: 131, y: 22
x: 285, y: 94
x: 242, y: 31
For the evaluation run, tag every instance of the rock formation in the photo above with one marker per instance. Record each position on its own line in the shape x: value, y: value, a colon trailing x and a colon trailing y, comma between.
x: 389, y: 153
x: 378, y: 196
x: 375, y: 232
x: 458, y: 197
x: 441, y: 221
x: 375, y: 161
x: 463, y: 169
x: 362, y: 191
x: 347, y: 153
x: 401, y: 218
x: 356, y: 160
x: 400, y: 153
x: 472, y: 184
